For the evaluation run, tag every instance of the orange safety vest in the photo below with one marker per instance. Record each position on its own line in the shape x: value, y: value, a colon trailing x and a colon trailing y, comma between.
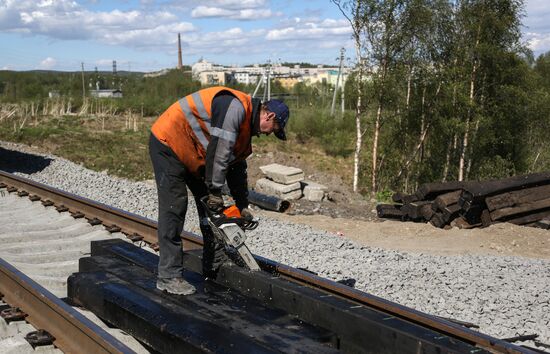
x: 185, y: 125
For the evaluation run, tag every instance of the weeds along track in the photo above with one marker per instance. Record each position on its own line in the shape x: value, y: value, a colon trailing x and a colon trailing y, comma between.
x: 44, y: 233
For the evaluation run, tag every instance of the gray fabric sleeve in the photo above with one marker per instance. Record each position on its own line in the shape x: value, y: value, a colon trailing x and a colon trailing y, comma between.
x: 226, y: 135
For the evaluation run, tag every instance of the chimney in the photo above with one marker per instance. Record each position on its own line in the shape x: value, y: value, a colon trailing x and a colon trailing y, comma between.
x: 180, y: 65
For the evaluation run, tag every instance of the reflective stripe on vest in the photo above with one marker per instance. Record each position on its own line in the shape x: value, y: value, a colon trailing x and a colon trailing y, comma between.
x: 186, y: 127
x: 193, y: 121
x: 200, y: 108
x: 223, y: 134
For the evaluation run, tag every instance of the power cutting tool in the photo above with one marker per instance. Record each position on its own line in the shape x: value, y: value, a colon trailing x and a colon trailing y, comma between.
x: 229, y: 228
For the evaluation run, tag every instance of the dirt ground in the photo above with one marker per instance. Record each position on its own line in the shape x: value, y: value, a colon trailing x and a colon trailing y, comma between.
x: 346, y: 214
x: 500, y: 239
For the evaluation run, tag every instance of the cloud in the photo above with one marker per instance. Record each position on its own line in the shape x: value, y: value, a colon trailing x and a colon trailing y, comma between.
x: 239, y: 14
x: 244, y: 10
x: 538, y: 42
x: 301, y: 30
x: 205, y: 11
x: 153, y: 27
x: 237, y: 4
x: 65, y: 19
x: 537, y: 27
x: 231, y: 41
x: 47, y: 63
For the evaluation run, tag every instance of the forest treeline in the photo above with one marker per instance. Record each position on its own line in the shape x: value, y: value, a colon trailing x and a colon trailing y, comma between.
x: 441, y: 90
x: 447, y: 91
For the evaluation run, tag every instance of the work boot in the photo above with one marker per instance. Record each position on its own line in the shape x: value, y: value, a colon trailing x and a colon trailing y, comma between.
x: 178, y: 286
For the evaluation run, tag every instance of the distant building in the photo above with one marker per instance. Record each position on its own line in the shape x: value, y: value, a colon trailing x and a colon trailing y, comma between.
x: 200, y: 66
x: 325, y: 77
x: 212, y: 78
x: 106, y: 93
x: 213, y: 74
x: 288, y: 82
x: 242, y: 77
x: 157, y: 73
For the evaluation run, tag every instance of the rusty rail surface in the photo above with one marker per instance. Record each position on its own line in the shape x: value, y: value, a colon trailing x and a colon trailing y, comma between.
x: 73, y: 332
x: 137, y: 226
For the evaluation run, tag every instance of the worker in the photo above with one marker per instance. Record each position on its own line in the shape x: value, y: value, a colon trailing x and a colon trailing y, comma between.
x: 201, y: 142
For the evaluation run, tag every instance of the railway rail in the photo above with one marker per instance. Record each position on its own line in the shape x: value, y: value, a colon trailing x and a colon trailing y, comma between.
x: 66, y: 328
x: 138, y: 229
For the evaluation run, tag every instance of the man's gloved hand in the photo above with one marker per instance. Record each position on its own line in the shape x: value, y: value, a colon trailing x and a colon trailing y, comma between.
x: 246, y: 214
x: 215, y: 202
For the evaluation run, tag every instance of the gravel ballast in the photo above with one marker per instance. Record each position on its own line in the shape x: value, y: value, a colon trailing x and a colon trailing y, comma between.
x: 505, y: 296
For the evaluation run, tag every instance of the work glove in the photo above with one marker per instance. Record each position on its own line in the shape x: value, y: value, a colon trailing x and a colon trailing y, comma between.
x: 247, y: 215
x: 215, y: 202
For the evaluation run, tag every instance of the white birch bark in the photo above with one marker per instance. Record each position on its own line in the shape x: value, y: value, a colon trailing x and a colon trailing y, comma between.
x: 465, y: 140
x: 448, y: 157
x: 375, y: 147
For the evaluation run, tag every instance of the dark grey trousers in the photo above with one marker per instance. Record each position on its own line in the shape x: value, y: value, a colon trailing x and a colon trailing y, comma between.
x: 172, y: 180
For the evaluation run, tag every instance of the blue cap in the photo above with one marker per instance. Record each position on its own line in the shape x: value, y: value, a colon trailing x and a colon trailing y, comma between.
x: 281, y: 113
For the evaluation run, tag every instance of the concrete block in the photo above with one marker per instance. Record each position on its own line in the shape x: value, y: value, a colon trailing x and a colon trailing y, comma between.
x: 314, y: 192
x: 283, y: 191
x: 283, y: 174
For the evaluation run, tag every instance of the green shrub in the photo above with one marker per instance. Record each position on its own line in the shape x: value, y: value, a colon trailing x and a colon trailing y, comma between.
x: 384, y: 196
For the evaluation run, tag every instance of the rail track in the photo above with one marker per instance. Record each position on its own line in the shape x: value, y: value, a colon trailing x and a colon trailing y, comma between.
x: 85, y: 220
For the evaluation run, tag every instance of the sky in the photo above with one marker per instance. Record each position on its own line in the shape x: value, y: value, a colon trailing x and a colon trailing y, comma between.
x: 141, y: 35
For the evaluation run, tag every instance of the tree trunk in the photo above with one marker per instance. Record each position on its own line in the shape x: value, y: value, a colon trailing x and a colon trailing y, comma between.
x: 358, y: 142
x: 375, y: 147
x: 377, y: 122
x: 463, y: 151
x: 469, y: 113
x: 358, y: 128
x: 409, y: 79
x: 416, y: 150
x: 448, y: 157
x: 474, y: 134
x: 476, y: 127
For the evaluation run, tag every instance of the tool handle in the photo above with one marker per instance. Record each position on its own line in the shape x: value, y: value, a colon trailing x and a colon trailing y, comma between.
x: 220, y: 218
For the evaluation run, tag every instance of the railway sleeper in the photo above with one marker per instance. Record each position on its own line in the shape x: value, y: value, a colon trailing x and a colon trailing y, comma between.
x: 254, y: 309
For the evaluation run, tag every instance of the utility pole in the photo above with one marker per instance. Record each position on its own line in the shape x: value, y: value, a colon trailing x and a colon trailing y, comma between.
x: 342, y: 51
x: 343, y: 88
x: 260, y: 81
x: 269, y: 80
x: 83, y: 87
x: 113, y: 83
x: 267, y: 86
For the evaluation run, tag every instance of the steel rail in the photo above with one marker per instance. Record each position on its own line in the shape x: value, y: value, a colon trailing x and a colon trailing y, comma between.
x: 73, y: 332
x: 109, y: 216
x: 146, y: 228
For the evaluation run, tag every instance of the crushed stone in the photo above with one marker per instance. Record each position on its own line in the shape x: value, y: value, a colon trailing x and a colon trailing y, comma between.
x: 506, y: 296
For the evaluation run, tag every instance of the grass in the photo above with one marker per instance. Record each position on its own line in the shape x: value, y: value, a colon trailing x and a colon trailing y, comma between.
x: 109, y: 146
x: 82, y: 140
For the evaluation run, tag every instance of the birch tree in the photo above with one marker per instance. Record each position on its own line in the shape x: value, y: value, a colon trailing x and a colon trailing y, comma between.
x: 352, y: 10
